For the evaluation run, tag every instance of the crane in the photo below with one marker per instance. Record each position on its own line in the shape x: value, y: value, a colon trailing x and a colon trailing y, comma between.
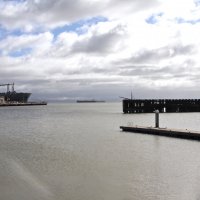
x: 126, y: 97
x: 8, y: 86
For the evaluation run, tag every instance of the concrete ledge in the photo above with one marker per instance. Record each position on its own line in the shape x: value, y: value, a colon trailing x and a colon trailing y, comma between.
x: 177, y: 133
x: 24, y: 104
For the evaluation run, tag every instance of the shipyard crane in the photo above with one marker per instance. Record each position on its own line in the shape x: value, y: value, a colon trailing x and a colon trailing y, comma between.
x: 8, y: 86
x: 126, y: 97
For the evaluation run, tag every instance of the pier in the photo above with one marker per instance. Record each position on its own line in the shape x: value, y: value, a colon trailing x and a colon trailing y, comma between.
x: 162, y: 105
x: 176, y: 133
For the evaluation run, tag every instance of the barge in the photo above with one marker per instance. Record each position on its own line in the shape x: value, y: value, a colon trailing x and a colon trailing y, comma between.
x: 90, y: 101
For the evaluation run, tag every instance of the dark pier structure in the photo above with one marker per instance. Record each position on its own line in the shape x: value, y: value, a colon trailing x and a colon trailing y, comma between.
x: 162, y: 105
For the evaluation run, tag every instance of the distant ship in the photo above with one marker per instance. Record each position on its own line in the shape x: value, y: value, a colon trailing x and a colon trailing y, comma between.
x: 13, y: 96
x: 90, y: 101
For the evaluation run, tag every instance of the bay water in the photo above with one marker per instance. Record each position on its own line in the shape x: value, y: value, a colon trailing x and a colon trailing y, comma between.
x: 77, y: 151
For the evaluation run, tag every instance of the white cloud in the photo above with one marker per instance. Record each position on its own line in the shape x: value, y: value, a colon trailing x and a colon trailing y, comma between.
x: 123, y: 52
x: 49, y: 13
x: 39, y: 43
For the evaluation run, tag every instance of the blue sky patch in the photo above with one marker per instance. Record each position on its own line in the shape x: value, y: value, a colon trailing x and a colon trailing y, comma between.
x: 20, y: 52
x: 197, y: 2
x: 153, y: 19
x: 181, y: 21
x: 5, y: 33
x: 14, y: 1
x: 76, y: 26
x: 16, y: 32
x: 73, y: 27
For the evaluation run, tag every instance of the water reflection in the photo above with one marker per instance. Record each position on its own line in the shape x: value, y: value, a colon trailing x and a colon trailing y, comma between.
x: 73, y: 152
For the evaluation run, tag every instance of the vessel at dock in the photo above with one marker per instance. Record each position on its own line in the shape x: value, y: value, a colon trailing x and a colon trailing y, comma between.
x: 13, y: 98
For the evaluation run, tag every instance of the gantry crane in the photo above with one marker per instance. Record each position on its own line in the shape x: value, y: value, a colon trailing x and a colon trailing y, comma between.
x: 8, y: 86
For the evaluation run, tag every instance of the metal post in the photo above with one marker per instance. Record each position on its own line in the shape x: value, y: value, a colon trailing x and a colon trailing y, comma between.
x: 13, y: 87
x: 157, y: 119
x: 8, y: 88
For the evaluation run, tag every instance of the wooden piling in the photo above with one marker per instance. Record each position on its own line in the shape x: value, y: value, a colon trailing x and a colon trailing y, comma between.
x: 156, y: 119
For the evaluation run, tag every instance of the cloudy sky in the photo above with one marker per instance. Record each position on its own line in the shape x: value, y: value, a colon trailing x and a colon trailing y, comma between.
x: 102, y: 49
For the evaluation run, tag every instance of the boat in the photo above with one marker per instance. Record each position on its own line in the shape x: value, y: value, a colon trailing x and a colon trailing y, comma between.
x: 13, y: 96
x: 90, y: 101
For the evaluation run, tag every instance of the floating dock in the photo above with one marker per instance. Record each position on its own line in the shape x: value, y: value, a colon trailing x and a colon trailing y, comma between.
x: 176, y: 133
x: 162, y: 105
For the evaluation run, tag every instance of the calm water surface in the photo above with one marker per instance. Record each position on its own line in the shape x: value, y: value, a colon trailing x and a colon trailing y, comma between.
x: 77, y: 152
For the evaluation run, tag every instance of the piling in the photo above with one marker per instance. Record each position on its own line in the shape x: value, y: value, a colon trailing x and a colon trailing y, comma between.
x: 157, y: 119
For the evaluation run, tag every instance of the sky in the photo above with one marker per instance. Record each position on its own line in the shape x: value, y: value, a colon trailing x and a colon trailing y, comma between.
x: 66, y: 50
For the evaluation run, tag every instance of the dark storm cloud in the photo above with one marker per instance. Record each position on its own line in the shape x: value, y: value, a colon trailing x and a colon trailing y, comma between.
x: 51, y: 13
x: 64, y: 10
x: 99, y: 43
x: 92, y: 70
x: 152, y: 70
x: 22, y: 80
x: 185, y: 70
x: 46, y: 13
x: 143, y: 70
x: 88, y: 82
x: 155, y: 55
x: 134, y: 5
x: 35, y: 82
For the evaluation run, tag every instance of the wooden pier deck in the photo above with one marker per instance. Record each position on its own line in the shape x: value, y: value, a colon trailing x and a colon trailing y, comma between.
x: 176, y: 133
